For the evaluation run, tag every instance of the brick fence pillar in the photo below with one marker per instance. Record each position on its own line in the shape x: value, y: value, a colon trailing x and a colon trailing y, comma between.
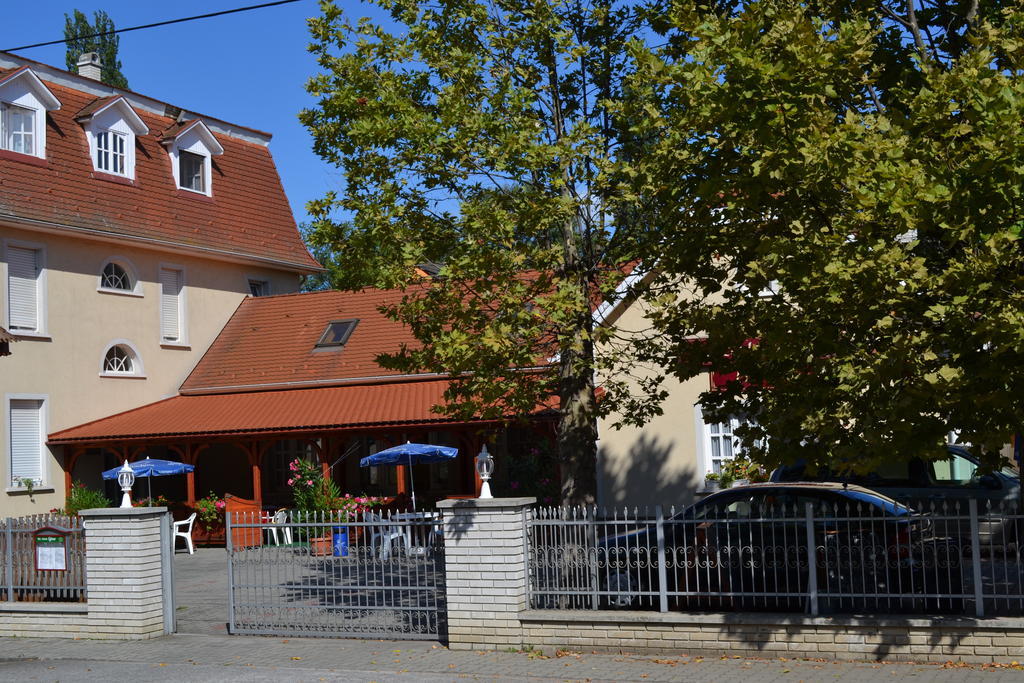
x: 127, y: 568
x: 485, y: 571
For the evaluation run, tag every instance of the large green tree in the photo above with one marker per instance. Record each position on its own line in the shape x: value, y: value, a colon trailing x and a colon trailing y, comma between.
x: 82, y: 36
x: 838, y: 185
x: 479, y: 135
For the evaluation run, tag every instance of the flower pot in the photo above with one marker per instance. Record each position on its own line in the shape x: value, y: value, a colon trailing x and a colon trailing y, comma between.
x: 711, y: 485
x: 320, y: 546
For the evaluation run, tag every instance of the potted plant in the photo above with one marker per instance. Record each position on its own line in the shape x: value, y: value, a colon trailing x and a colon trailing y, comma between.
x: 711, y: 481
x: 209, y: 519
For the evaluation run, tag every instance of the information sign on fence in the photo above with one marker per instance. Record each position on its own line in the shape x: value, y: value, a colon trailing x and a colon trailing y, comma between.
x: 51, y: 549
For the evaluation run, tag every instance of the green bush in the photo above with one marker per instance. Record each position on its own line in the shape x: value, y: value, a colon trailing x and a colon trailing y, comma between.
x: 82, y: 498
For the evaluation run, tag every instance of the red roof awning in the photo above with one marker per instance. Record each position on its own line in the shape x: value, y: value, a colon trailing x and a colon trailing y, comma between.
x: 268, y: 412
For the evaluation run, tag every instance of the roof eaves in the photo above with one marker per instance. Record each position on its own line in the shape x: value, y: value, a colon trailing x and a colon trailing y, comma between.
x: 309, y: 266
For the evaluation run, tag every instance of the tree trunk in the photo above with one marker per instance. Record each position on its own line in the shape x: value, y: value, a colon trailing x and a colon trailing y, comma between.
x: 577, y: 426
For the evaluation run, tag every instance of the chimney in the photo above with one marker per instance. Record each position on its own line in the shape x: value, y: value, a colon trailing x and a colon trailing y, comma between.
x: 90, y: 65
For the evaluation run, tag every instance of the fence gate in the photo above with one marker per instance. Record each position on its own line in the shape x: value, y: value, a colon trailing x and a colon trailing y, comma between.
x: 336, y: 574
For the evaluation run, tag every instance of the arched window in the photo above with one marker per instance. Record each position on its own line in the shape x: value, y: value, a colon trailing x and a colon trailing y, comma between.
x: 116, y: 277
x: 118, y: 361
x: 121, y: 360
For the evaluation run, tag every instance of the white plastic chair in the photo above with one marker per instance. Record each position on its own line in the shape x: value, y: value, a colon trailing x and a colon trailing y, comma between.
x: 387, y: 533
x: 185, y: 524
x: 279, y: 519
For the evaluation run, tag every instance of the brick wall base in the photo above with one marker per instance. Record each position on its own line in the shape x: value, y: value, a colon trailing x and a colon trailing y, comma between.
x: 778, y: 635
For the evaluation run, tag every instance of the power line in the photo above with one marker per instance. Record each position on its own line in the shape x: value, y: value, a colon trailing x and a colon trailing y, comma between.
x: 159, y: 23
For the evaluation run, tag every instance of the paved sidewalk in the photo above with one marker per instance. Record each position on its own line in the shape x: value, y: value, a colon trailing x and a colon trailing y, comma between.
x: 188, y: 657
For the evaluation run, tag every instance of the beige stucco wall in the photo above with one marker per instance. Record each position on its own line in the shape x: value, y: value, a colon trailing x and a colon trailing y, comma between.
x: 658, y: 463
x: 82, y: 323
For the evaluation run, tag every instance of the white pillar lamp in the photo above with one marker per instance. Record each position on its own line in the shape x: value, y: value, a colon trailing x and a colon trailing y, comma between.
x: 485, y: 468
x: 126, y: 477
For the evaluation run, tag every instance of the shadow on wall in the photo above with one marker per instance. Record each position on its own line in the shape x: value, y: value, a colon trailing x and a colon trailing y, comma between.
x: 650, y: 474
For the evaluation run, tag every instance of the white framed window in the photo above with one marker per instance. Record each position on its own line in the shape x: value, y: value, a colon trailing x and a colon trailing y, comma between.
x: 26, y: 288
x: 192, y: 147
x: 121, y: 359
x: 172, y: 306
x: 26, y: 429
x: 17, y: 129
x: 111, y: 126
x: 721, y: 445
x: 717, y: 442
x: 111, y: 152
x: 24, y: 101
x: 192, y: 172
x: 118, y: 276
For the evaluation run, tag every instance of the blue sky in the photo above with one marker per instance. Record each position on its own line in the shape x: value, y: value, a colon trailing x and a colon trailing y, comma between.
x: 248, y: 68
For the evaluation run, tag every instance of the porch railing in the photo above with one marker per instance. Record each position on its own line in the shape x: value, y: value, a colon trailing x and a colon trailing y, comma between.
x: 941, y: 558
x: 22, y: 578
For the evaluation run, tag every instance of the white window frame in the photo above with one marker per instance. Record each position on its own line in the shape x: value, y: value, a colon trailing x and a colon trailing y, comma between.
x: 44, y: 421
x: 7, y: 132
x: 107, y: 152
x: 182, y: 340
x: 41, y: 330
x: 138, y: 369
x: 204, y: 171
x: 128, y: 268
x: 705, y: 437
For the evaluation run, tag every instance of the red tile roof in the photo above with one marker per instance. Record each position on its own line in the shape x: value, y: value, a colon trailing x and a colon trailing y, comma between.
x: 270, y: 343
x: 264, y: 375
x: 248, y: 214
x: 268, y: 412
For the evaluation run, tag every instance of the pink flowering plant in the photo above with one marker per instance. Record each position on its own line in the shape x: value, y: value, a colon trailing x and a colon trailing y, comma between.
x: 352, y: 506
x: 313, y: 492
x: 309, y: 487
x: 210, y: 510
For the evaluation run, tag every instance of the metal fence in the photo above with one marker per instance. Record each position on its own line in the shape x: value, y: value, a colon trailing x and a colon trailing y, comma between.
x: 938, y: 558
x: 336, y: 574
x: 23, y: 579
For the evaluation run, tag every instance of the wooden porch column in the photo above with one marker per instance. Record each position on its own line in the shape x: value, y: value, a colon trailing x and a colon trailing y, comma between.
x: 189, y: 455
x: 401, y: 487
x: 69, y: 466
x: 254, y: 451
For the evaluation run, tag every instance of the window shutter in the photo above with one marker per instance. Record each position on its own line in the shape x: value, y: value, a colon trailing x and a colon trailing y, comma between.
x: 26, y: 440
x: 170, y: 304
x: 23, y: 287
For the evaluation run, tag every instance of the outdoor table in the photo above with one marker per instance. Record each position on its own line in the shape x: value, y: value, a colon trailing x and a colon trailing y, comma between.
x: 413, y: 531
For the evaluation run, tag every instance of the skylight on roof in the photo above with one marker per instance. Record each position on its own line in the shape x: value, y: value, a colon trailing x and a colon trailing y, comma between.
x: 337, y: 333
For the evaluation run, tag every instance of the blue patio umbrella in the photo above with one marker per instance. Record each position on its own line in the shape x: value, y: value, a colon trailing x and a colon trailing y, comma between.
x: 152, y: 467
x: 410, y: 454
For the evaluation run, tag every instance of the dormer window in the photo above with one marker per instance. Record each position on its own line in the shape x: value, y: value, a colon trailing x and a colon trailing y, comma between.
x: 191, y: 172
x: 24, y: 101
x: 192, y: 147
x: 111, y: 126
